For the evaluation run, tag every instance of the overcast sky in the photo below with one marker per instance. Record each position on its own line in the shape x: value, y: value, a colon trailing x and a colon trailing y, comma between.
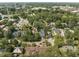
x: 39, y: 0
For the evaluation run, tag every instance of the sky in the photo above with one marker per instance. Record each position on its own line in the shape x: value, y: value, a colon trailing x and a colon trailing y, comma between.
x: 39, y: 0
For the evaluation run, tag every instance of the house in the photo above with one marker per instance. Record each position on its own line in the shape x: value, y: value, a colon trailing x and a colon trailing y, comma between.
x: 65, y: 8
x: 34, y: 30
x: 42, y: 33
x: 33, y: 14
x: 37, y: 8
x: 2, y: 26
x: 12, y: 20
x: 16, y: 34
x: 6, y: 28
x: 68, y: 29
x: 51, y: 41
x: 1, y: 16
x: 66, y: 48
x: 52, y: 24
x: 56, y: 31
x: 22, y: 22
x: 17, y: 51
x: 72, y: 31
x: 62, y: 32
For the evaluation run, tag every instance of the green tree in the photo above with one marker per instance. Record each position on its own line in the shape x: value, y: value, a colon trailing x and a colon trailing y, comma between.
x: 59, y: 41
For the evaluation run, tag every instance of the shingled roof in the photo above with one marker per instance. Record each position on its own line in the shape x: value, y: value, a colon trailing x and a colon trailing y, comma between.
x: 17, y: 50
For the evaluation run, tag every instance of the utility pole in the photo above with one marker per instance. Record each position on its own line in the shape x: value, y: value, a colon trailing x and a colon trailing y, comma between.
x: 7, y: 11
x: 15, y: 8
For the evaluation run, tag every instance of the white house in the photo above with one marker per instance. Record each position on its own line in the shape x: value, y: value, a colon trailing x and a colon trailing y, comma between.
x: 22, y: 22
x: 17, y: 50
